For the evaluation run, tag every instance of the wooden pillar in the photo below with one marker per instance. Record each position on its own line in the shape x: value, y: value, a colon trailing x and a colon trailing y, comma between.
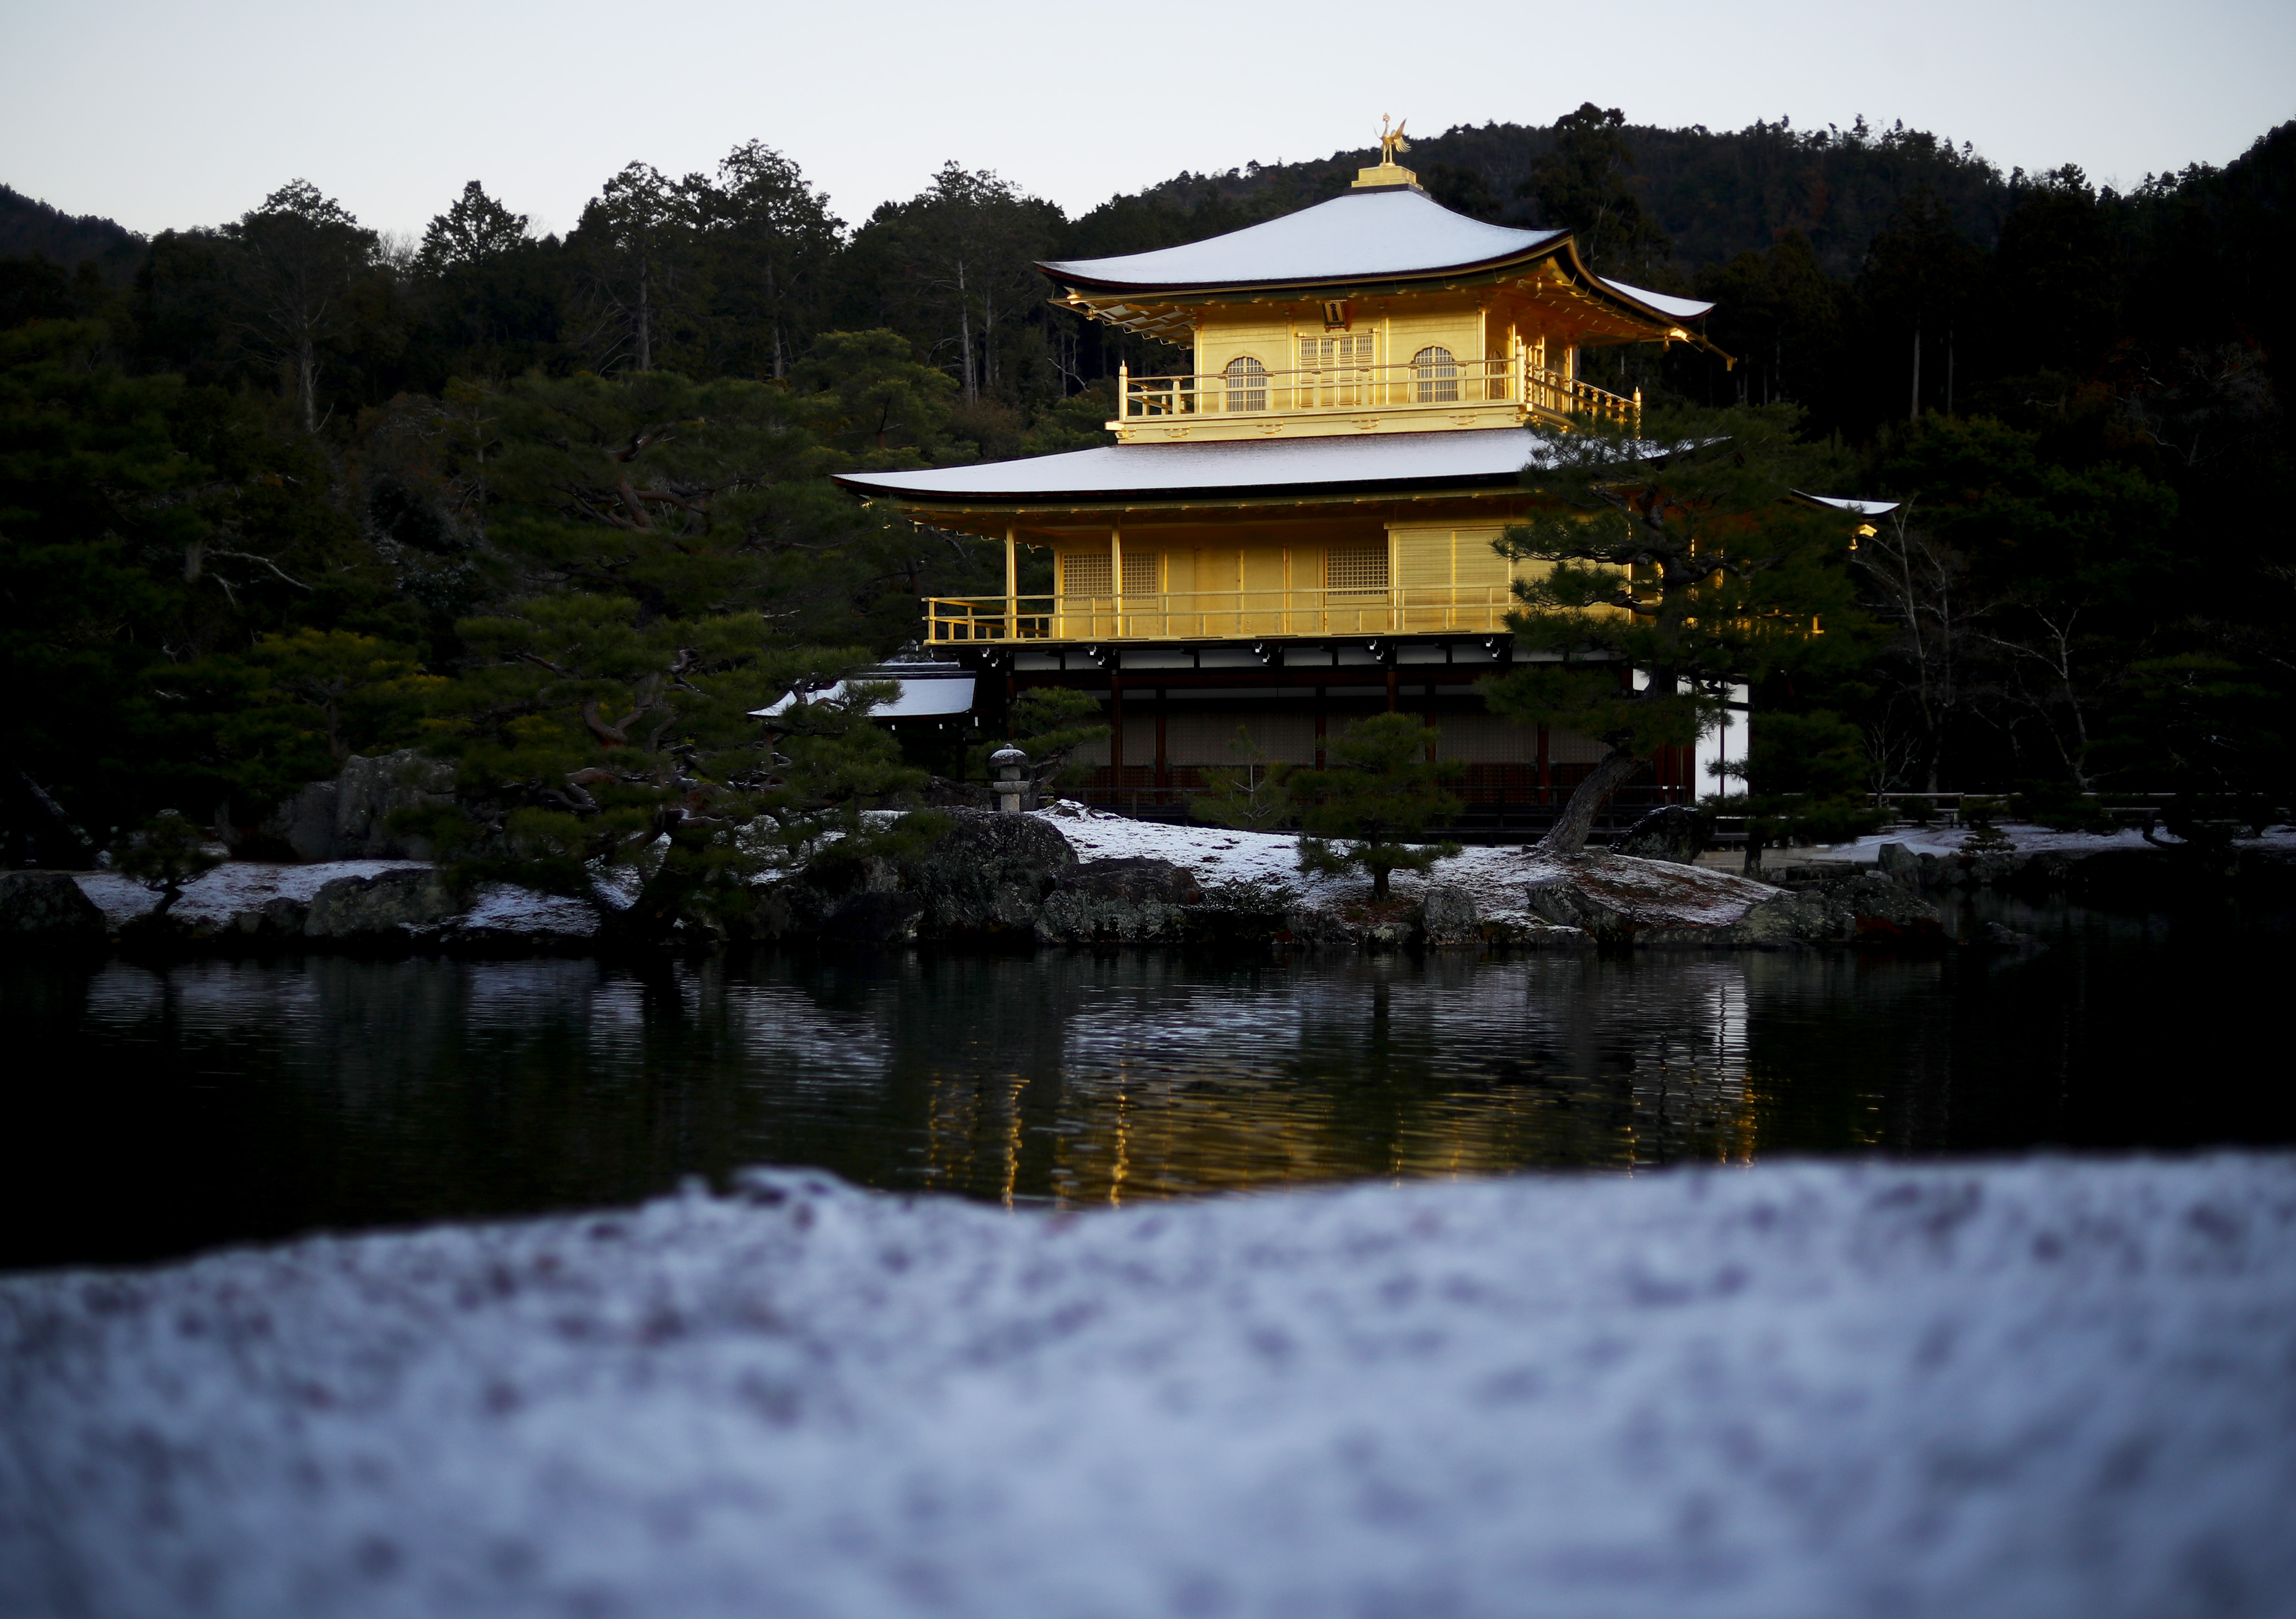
x: 1012, y: 584
x: 1116, y: 736
x: 1163, y: 767
x: 1545, y: 781
x: 1116, y: 572
x: 1390, y: 688
x: 1322, y: 722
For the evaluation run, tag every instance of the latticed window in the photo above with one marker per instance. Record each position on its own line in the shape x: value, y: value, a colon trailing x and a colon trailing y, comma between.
x: 1354, y: 569
x: 1085, y: 573
x: 1435, y: 376
x: 1143, y: 573
x: 1247, y: 384
x: 1329, y: 354
x: 1344, y: 364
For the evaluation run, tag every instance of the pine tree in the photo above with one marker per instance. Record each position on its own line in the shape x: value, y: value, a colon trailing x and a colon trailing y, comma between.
x: 1254, y: 795
x: 1379, y: 790
x: 1676, y: 564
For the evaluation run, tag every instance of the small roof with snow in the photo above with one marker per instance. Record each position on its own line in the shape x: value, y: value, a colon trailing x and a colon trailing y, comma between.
x: 1464, y: 457
x: 1393, y: 233
x: 1854, y: 505
x: 920, y: 691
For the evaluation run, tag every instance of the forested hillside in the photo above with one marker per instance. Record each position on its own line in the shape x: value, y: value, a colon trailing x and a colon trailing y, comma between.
x: 275, y: 491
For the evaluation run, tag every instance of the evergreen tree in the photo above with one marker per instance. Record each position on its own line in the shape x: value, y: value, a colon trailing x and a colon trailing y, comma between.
x: 1052, y: 725
x: 636, y: 237
x: 955, y: 263
x: 611, y: 757
x: 1379, y: 790
x: 1809, y: 779
x: 475, y: 231
x: 767, y: 239
x: 168, y: 853
x: 1920, y: 280
x: 1676, y: 565
x: 1584, y: 183
x: 1254, y: 795
x: 881, y: 408
x: 300, y: 258
x: 2066, y: 566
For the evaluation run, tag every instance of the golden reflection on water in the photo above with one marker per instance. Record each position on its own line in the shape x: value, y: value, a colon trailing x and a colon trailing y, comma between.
x: 224, y: 1100
x: 1172, y: 1083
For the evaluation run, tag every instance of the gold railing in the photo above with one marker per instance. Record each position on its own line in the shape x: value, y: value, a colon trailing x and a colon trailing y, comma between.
x: 1447, y: 385
x: 1553, y: 392
x: 1217, y: 614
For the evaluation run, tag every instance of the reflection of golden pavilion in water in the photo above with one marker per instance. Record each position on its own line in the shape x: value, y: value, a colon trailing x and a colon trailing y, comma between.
x: 1160, y: 1103
x: 1298, y: 530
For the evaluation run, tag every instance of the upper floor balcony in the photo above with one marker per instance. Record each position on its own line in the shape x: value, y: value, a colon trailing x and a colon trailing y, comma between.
x: 1238, y: 615
x: 1434, y: 390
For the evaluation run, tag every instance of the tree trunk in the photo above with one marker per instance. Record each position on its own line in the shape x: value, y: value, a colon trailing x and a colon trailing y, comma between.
x: 964, y: 337
x: 645, y: 315
x: 1568, y: 835
x: 307, y: 383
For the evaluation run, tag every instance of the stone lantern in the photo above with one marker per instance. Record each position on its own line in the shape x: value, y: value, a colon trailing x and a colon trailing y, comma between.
x: 1008, y: 763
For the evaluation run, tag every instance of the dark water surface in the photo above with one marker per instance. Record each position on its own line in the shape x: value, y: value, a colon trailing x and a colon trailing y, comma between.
x: 155, y: 1111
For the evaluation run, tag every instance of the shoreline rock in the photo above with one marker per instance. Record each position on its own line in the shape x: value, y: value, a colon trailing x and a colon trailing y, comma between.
x: 349, y: 816
x: 1074, y: 879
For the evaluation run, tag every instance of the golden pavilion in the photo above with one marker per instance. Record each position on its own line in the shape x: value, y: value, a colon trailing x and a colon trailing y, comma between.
x: 1298, y: 530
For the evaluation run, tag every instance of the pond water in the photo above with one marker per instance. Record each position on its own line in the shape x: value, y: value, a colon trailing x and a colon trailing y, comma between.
x: 161, y: 1111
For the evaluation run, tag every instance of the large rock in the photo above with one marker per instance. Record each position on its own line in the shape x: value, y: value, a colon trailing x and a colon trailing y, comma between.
x: 48, y: 911
x: 1674, y: 832
x: 391, y: 907
x: 1869, y: 907
x: 1622, y: 900
x: 1447, y: 916
x: 348, y: 818
x: 987, y: 877
x: 1619, y: 899
x: 1120, y: 902
x: 874, y: 916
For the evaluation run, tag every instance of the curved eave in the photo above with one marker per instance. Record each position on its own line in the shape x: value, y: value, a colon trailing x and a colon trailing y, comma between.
x: 1168, y: 291
x: 1672, y: 326
x: 1208, y: 495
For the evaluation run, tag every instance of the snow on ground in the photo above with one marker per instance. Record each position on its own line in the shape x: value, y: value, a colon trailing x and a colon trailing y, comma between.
x: 504, y: 908
x: 2026, y: 839
x: 1496, y: 876
x: 2047, y: 1387
x: 218, y: 895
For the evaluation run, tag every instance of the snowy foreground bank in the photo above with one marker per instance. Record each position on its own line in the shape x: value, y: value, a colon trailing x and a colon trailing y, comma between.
x: 2036, y: 1388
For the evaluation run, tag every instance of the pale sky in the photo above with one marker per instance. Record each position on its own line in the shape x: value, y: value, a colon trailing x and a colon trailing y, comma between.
x: 184, y: 113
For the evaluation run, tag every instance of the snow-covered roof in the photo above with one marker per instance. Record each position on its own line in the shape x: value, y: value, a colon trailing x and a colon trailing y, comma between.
x: 1665, y: 302
x: 1853, y: 505
x: 1361, y: 234
x: 1478, y: 455
x: 921, y: 691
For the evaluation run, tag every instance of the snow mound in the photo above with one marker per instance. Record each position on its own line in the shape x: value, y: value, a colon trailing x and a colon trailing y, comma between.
x: 504, y: 908
x: 1496, y: 877
x: 2048, y: 1388
x: 237, y: 886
